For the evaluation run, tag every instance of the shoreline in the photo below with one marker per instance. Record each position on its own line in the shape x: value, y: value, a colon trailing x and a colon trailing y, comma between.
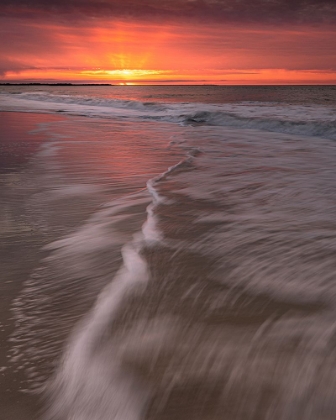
x: 20, y: 248
x: 227, y: 286
x: 26, y: 187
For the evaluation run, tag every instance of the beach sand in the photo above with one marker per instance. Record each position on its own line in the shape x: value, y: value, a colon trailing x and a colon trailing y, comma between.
x: 21, y: 244
x: 40, y: 204
x: 22, y: 240
x: 193, y: 343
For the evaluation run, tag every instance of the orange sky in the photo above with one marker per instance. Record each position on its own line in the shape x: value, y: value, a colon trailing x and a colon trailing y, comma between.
x: 124, y: 51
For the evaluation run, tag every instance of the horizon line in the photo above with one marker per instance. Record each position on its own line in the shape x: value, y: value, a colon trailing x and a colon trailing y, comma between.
x: 161, y: 84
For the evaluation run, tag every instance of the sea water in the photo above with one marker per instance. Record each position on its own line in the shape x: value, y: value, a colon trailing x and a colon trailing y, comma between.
x: 188, y: 267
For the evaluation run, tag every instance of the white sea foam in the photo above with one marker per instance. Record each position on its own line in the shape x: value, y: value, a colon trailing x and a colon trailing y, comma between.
x: 292, y: 119
x: 89, y: 384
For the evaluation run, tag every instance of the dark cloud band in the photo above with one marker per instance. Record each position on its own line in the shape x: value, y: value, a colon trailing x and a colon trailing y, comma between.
x: 245, y: 11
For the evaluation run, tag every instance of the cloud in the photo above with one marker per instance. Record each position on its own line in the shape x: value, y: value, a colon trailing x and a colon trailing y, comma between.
x: 239, y: 11
x: 203, y: 39
x: 106, y: 47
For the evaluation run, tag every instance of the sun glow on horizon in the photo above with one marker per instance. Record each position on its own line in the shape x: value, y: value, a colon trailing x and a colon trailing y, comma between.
x: 127, y: 74
x: 148, y: 76
x: 122, y: 52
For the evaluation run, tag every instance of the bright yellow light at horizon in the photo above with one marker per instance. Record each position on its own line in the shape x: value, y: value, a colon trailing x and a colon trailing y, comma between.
x: 127, y: 74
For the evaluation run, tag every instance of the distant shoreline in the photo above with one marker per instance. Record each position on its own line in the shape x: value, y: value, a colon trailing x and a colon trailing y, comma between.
x: 56, y: 84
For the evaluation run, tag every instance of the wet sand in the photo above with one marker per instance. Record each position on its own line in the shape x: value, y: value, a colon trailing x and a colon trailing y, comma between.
x: 199, y: 346
x: 21, y: 136
x: 24, y: 234
x: 20, y: 246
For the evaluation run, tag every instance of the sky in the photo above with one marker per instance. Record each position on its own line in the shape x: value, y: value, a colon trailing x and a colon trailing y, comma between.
x: 168, y: 41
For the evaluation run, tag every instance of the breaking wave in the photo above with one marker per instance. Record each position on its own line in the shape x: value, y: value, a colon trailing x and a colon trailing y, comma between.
x: 317, y: 121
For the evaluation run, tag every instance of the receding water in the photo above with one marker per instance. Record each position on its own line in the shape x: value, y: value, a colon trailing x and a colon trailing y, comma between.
x: 184, y: 254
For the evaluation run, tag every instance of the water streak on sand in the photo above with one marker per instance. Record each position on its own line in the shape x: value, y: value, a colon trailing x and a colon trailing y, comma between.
x: 199, y: 291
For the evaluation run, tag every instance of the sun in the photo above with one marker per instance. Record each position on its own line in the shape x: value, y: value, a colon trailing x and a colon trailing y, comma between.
x: 127, y: 72
x: 123, y: 76
x: 131, y: 73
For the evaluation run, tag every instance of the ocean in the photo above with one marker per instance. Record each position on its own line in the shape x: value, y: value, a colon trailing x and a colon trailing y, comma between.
x: 168, y: 252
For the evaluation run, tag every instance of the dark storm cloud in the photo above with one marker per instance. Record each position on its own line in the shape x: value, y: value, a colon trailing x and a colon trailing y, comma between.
x: 268, y: 11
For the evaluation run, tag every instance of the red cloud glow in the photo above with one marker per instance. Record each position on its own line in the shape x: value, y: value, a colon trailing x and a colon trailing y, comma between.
x: 125, y: 51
